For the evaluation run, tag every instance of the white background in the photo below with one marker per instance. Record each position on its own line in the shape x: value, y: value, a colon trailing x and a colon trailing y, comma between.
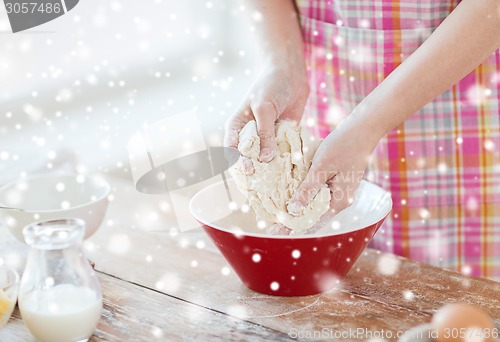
x: 82, y: 84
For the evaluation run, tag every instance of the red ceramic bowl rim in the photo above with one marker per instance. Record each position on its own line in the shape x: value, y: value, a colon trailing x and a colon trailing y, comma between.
x: 379, y: 218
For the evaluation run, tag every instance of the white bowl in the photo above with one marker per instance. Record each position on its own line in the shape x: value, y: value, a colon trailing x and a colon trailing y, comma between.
x: 50, y: 197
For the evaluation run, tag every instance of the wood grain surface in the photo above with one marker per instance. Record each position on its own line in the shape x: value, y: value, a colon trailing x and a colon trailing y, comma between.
x: 134, y: 313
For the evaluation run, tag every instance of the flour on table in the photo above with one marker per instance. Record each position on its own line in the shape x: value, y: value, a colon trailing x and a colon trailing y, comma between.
x: 269, y: 186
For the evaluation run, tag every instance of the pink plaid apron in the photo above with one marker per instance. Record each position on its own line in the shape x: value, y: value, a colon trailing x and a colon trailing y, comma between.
x: 442, y: 165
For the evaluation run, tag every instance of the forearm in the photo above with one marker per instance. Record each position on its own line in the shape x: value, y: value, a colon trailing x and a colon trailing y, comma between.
x: 278, y: 31
x: 462, y: 42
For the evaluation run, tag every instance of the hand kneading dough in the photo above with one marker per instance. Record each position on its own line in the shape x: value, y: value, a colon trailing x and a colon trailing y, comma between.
x: 271, y: 185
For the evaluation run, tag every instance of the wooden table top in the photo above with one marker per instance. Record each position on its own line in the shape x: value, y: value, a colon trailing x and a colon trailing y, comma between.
x: 162, y: 285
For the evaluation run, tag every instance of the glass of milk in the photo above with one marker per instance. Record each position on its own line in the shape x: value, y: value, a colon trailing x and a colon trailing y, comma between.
x: 59, y: 297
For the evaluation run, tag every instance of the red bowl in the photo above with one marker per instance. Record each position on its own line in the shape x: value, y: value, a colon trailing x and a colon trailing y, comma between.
x: 289, y: 265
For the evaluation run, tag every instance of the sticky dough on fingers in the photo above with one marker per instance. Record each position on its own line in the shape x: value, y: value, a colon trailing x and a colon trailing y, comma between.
x: 272, y: 184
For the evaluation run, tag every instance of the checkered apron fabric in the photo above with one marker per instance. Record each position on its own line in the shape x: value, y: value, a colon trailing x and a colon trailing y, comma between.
x: 442, y: 165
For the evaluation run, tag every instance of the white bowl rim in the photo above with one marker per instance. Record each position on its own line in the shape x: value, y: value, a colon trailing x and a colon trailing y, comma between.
x: 286, y: 237
x: 104, y: 184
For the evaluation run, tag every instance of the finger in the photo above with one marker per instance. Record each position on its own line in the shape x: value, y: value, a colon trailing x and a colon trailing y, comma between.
x: 246, y: 166
x: 294, y: 113
x: 265, y: 116
x: 234, y: 125
x: 278, y: 229
x: 304, y: 195
x: 342, y: 194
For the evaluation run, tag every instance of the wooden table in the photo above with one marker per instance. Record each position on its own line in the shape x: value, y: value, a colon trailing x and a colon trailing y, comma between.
x: 159, y: 284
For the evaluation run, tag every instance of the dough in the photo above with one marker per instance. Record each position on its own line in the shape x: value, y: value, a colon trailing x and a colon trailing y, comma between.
x: 269, y: 186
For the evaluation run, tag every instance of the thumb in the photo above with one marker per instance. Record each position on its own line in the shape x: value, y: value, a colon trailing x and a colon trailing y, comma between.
x: 305, y: 193
x: 265, y: 118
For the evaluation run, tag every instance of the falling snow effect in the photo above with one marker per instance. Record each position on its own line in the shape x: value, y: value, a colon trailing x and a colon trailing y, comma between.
x: 91, y: 107
x: 119, y: 244
x: 237, y: 311
x: 275, y: 286
x: 256, y: 258
x: 408, y: 295
x: 388, y: 264
x: 77, y: 112
x: 168, y: 283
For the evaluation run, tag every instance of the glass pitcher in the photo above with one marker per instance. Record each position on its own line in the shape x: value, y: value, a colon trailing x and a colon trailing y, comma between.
x: 60, y: 299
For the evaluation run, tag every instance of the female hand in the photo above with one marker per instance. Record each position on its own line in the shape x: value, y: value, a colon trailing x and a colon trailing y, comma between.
x: 339, y: 162
x: 280, y: 92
